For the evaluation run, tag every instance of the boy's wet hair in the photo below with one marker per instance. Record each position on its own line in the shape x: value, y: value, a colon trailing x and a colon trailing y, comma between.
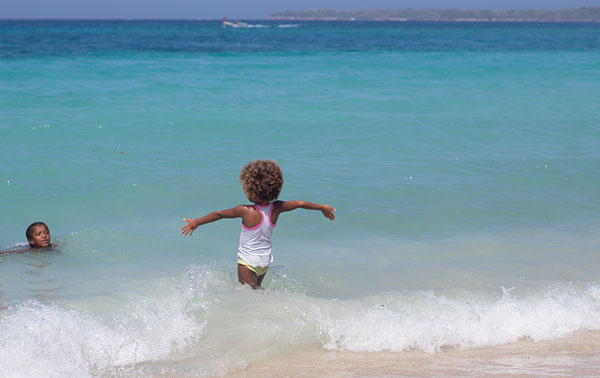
x: 31, y: 226
x: 261, y: 180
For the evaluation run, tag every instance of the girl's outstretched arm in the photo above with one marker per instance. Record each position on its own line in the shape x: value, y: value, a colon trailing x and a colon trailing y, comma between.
x: 284, y: 206
x: 192, y: 224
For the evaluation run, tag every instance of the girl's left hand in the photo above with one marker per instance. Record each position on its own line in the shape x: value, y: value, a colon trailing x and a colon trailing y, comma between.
x: 189, y: 228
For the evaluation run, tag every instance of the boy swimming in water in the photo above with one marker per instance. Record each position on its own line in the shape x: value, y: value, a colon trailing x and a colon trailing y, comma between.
x: 261, y: 181
x: 38, y: 237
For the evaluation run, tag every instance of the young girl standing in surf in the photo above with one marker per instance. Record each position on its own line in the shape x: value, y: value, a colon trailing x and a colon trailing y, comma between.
x: 261, y: 181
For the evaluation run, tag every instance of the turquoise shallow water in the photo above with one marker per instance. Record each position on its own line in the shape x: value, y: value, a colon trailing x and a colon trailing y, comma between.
x: 462, y: 159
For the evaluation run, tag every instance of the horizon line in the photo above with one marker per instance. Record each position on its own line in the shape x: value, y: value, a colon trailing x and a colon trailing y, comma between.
x: 268, y: 18
x: 275, y: 18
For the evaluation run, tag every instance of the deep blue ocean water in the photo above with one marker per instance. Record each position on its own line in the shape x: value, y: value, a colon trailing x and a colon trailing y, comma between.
x: 463, y: 160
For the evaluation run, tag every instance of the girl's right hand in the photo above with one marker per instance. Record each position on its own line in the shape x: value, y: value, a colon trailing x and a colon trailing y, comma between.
x: 328, y: 212
x: 189, y: 228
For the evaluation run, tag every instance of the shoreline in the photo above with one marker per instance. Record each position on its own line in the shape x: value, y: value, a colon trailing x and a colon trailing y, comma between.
x: 576, y: 355
x: 579, y: 14
x: 393, y: 19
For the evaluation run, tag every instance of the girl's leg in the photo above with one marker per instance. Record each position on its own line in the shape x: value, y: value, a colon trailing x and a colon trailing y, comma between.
x: 248, y: 277
x: 260, y: 278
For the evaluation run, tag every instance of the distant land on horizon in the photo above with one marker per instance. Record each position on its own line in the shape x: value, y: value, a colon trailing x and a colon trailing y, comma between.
x: 581, y: 14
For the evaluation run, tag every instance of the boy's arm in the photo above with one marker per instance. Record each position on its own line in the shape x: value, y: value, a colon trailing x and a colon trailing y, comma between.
x: 293, y: 205
x: 192, y: 224
x: 21, y: 250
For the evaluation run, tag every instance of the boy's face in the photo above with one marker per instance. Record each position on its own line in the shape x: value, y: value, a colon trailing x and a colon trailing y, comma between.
x: 40, y: 237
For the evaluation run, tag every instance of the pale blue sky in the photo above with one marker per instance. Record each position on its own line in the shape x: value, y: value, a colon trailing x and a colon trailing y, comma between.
x: 241, y: 9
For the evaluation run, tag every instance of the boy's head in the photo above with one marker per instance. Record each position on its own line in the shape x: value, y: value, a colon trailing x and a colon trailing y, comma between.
x: 38, y: 235
x: 261, y: 180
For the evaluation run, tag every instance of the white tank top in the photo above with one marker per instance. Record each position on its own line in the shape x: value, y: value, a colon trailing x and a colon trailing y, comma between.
x: 255, y: 242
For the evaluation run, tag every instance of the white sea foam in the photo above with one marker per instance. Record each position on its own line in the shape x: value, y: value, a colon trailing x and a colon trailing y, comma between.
x: 201, y: 322
x: 429, y: 323
x: 45, y: 340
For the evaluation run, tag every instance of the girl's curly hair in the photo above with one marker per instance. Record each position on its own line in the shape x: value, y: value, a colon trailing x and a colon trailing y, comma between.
x: 261, y: 180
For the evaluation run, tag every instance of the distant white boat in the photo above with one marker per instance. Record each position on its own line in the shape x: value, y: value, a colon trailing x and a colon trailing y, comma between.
x: 238, y: 24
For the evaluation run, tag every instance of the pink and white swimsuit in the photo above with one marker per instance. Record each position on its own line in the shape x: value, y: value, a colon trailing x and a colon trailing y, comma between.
x: 255, y: 242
